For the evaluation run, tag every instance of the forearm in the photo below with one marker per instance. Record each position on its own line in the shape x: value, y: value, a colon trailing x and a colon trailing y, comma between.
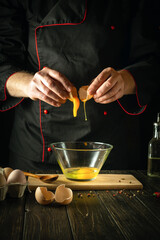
x: 17, y: 84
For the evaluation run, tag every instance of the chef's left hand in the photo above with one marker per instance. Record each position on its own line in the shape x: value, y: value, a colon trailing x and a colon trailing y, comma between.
x: 111, y: 85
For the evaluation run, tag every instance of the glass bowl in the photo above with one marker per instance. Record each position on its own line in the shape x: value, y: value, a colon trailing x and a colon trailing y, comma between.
x: 81, y: 160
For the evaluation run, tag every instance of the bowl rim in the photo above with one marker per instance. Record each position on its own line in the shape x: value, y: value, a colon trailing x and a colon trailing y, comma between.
x: 109, y: 146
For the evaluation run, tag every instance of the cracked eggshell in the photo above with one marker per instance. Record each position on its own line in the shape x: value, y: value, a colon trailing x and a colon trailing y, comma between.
x: 43, y: 196
x: 63, y: 195
x: 83, y: 94
x: 16, y: 176
x: 7, y: 171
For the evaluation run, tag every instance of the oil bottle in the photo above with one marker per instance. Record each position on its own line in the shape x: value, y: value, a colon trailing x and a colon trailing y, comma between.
x: 153, y: 169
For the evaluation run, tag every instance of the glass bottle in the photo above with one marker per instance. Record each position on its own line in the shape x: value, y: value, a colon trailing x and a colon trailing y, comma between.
x: 153, y: 169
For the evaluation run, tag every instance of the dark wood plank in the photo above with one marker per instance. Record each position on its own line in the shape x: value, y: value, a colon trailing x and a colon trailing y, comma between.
x: 89, y: 218
x: 45, y: 222
x: 11, y: 218
x: 134, y: 219
x: 151, y: 185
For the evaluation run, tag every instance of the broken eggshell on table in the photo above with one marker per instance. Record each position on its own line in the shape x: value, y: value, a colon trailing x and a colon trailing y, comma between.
x: 62, y: 195
x: 12, y: 182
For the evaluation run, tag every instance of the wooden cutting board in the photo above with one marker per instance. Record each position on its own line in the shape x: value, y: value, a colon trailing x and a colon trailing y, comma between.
x: 102, y: 182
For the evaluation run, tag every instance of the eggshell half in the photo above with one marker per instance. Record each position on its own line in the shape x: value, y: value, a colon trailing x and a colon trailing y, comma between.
x: 7, y: 171
x: 2, y: 180
x: 83, y: 94
x: 43, y: 196
x: 16, y: 176
x: 63, y: 195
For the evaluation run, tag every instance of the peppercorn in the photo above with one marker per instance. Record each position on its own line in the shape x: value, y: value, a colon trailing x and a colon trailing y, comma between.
x: 156, y: 194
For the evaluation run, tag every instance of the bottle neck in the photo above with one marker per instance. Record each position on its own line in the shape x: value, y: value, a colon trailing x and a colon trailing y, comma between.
x: 156, y: 131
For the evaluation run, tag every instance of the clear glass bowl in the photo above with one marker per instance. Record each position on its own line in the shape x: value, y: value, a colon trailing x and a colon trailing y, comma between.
x: 81, y: 160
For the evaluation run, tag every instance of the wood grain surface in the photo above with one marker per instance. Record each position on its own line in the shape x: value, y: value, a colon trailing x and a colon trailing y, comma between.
x: 102, y: 182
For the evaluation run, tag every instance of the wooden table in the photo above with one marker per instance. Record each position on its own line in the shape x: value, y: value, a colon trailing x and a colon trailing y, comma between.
x: 112, y: 214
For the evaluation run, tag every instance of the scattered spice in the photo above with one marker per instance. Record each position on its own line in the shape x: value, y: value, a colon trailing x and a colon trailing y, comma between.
x: 80, y: 195
x: 156, y: 194
x: 122, y: 191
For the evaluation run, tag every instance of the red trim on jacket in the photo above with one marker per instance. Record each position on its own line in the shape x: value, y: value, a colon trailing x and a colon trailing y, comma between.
x: 12, y: 106
x: 144, y: 107
x: 131, y: 113
x: 56, y: 24
x: 40, y: 118
x: 6, y: 88
x: 6, y: 96
x: 50, y: 25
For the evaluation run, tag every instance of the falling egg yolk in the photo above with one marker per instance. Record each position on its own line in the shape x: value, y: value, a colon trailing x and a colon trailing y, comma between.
x: 73, y: 97
x: 84, y: 96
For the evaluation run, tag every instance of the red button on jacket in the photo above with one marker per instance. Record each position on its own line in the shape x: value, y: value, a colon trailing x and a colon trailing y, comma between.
x: 45, y: 111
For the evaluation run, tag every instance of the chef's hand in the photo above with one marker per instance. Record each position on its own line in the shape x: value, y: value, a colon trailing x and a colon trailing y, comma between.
x: 111, y: 85
x: 49, y: 86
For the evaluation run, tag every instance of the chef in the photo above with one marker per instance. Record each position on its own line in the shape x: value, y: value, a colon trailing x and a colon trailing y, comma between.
x: 47, y: 47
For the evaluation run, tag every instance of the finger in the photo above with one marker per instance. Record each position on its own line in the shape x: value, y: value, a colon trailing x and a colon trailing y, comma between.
x: 41, y: 96
x: 52, y: 84
x: 113, y: 91
x: 107, y: 86
x: 46, y: 91
x: 99, y: 80
x: 61, y: 78
x: 111, y: 99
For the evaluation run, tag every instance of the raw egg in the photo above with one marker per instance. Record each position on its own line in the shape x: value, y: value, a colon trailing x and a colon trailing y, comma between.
x: 1, y: 170
x: 63, y: 195
x: 73, y: 97
x: 2, y: 180
x: 84, y: 96
x: 16, y: 176
x: 43, y: 196
x: 7, y: 171
x: 3, y: 187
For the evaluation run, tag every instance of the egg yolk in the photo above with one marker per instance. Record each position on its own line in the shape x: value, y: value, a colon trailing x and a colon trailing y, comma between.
x: 84, y: 96
x: 74, y: 98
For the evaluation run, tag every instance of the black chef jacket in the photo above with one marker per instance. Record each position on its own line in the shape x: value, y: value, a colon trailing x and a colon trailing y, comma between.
x: 79, y: 39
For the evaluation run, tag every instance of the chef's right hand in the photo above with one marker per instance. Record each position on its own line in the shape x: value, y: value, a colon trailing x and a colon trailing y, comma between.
x: 49, y: 86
